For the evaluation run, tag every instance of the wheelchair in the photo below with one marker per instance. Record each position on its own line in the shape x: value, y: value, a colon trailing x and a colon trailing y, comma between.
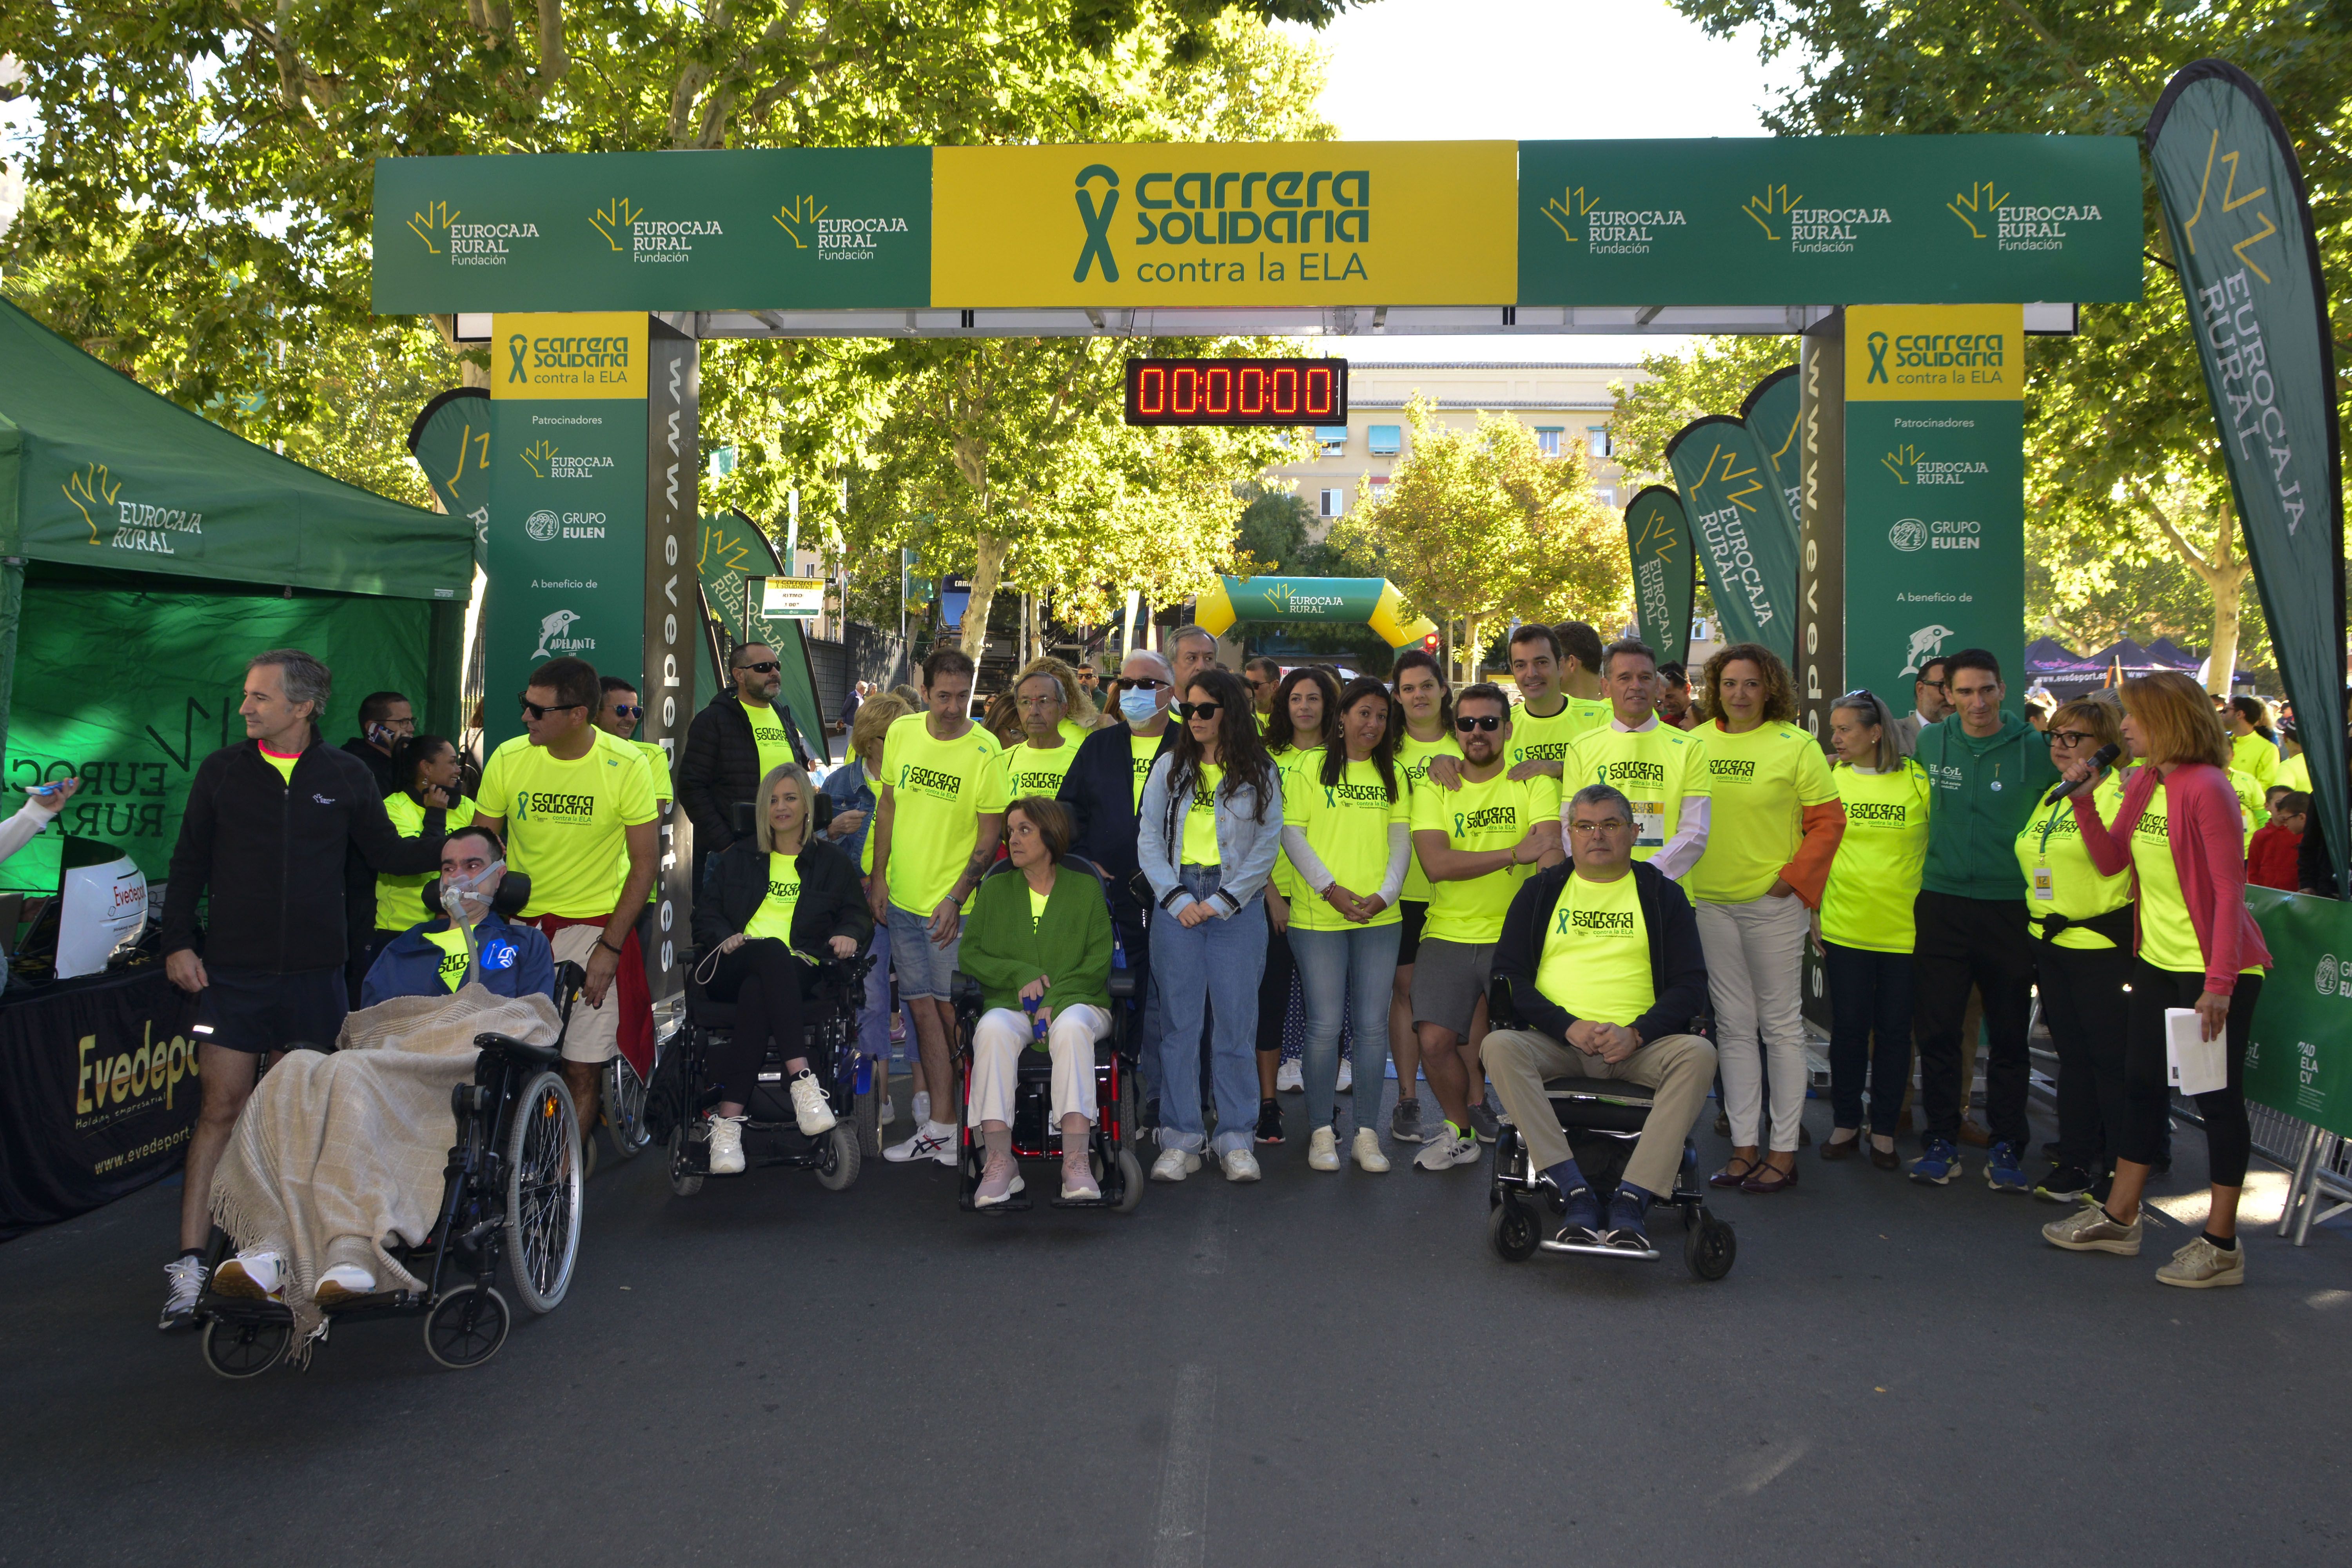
x: 1036, y: 1136
x: 510, y: 1194
x: 1602, y: 1118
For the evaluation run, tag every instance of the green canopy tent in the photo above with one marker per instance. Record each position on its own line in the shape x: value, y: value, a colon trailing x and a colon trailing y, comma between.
x: 149, y: 552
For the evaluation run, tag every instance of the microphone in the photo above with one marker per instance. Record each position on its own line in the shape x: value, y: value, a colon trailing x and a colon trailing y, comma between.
x: 2099, y: 761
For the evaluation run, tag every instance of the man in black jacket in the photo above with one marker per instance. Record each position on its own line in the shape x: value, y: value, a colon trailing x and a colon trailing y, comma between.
x: 729, y: 747
x: 267, y: 826
x: 1606, y: 976
x: 386, y: 719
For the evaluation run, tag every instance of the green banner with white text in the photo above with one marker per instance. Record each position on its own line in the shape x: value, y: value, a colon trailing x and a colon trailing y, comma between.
x: 451, y: 443
x: 1665, y: 573
x: 1746, y: 541
x: 1771, y: 411
x: 2299, y: 1059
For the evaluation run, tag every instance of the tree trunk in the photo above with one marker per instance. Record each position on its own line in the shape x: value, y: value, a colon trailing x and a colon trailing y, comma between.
x: 2227, y: 579
x: 987, y: 569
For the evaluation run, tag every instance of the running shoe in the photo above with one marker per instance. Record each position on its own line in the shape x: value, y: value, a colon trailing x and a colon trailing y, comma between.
x: 1938, y: 1164
x: 999, y: 1180
x: 931, y: 1142
x: 1174, y: 1164
x: 1269, y: 1122
x: 250, y: 1277
x: 2201, y: 1265
x: 1580, y: 1227
x: 1239, y: 1165
x: 1286, y: 1079
x: 2090, y: 1228
x: 1445, y: 1151
x: 1404, y: 1122
x: 343, y: 1284
x: 810, y: 1108
x: 185, y: 1281
x: 2003, y: 1173
x: 2063, y: 1185
x: 1367, y: 1152
x: 725, y: 1145
x: 1322, y: 1150
x: 1485, y: 1123
x: 1079, y: 1178
x: 1627, y: 1215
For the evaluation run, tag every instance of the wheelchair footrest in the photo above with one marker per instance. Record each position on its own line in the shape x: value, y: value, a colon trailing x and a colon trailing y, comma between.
x: 1017, y: 1203
x: 1591, y: 1250
x: 1062, y: 1202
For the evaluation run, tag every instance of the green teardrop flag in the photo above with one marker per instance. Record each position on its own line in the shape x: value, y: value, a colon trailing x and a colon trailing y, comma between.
x: 1745, y: 538
x: 1666, y: 575
x: 451, y: 442
x: 1770, y: 411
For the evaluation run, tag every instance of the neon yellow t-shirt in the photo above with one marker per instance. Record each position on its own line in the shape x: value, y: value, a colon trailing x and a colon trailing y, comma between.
x: 2295, y: 773
x: 1549, y: 740
x: 1596, y: 952
x: 1762, y: 781
x: 1654, y: 768
x: 2251, y: 814
x: 1873, y: 881
x: 1145, y: 749
x: 2168, y: 937
x: 1413, y: 759
x: 1284, y: 877
x: 935, y: 785
x: 1493, y: 815
x: 2259, y: 759
x: 452, y: 943
x: 284, y: 765
x: 658, y: 762
x: 1036, y: 909
x: 399, y: 901
x: 1022, y: 771
x: 1347, y: 825
x: 1200, y: 817
x: 773, y: 918
x: 567, y: 822
x: 768, y: 734
x: 1074, y: 734
x: 2060, y: 877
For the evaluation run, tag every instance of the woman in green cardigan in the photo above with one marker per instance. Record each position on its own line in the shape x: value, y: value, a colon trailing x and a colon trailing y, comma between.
x: 1037, y: 938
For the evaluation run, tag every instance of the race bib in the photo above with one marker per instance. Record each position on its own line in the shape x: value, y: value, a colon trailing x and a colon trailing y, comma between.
x: 1649, y: 825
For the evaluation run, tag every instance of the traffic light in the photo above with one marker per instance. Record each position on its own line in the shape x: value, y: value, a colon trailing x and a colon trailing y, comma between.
x: 1429, y: 643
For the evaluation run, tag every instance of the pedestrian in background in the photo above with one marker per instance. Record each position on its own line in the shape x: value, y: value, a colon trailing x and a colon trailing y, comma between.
x: 730, y: 746
x: 386, y: 719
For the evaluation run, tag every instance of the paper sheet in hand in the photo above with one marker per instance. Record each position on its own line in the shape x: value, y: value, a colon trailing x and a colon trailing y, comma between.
x: 2193, y: 1065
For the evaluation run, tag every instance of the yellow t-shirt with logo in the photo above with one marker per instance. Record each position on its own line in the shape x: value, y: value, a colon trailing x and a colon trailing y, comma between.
x: 1025, y: 769
x: 658, y: 762
x: 2168, y: 937
x: 1654, y: 768
x: 773, y: 918
x: 1596, y: 952
x: 935, y: 787
x: 1549, y: 740
x: 1874, y: 879
x: 452, y: 943
x: 1145, y: 750
x: 1284, y: 877
x: 1347, y: 825
x: 1413, y: 759
x: 399, y: 901
x: 2259, y: 759
x: 1761, y: 781
x: 1200, y: 817
x: 768, y: 734
x: 1493, y: 815
x: 2060, y: 877
x: 284, y: 765
x: 567, y: 822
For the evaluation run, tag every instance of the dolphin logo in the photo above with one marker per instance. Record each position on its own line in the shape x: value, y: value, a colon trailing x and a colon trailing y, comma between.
x: 552, y: 625
x: 1925, y: 644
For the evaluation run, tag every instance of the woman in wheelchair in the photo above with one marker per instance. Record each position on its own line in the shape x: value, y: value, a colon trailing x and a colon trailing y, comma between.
x: 1038, y: 942
x: 772, y: 908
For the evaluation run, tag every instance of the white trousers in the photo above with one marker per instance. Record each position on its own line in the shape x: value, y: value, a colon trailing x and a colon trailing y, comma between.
x: 1000, y: 1038
x: 1755, y: 975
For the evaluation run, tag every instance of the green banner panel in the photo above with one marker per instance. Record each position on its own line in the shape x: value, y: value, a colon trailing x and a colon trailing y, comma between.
x: 1746, y: 541
x: 1666, y: 573
x: 451, y: 443
x: 733, y: 552
x: 2300, y: 1058
x: 1771, y: 411
x: 771, y: 229
x: 1823, y: 219
x: 2240, y: 222
x: 135, y: 744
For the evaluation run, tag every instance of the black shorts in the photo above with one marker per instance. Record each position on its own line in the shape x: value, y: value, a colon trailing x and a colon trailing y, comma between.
x: 255, y: 1011
x: 1413, y: 913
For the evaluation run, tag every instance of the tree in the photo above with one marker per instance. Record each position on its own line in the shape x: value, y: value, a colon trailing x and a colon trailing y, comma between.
x: 1714, y: 377
x: 1478, y: 526
x: 2122, y: 450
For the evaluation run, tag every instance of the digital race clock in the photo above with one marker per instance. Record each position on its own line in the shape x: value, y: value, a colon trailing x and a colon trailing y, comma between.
x: 1237, y: 391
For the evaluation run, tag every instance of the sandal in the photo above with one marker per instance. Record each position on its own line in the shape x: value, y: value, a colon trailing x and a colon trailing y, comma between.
x: 1728, y: 1177
x: 1770, y: 1179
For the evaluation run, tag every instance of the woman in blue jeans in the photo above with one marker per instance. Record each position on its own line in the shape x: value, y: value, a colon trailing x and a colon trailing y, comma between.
x: 1206, y: 833
x: 1346, y: 833
x: 851, y: 785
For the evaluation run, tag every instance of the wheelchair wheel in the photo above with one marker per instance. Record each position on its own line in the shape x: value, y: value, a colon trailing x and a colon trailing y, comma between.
x: 1130, y: 1176
x: 1709, y: 1248
x: 842, y: 1159
x: 685, y: 1175
x: 1511, y: 1232
x: 543, y: 1196
x: 467, y: 1326
x: 238, y: 1351
x: 625, y: 1108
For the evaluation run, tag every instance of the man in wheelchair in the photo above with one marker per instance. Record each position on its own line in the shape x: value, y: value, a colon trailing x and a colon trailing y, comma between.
x: 470, y: 931
x: 1602, y: 958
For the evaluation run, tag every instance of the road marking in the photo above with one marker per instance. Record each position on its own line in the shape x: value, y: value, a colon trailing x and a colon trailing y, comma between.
x: 1181, y: 1531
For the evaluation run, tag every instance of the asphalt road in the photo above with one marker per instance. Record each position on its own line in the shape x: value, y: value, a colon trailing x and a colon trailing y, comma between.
x: 1315, y: 1370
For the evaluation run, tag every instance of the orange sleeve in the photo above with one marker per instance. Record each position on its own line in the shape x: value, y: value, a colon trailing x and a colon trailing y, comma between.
x: 1809, y: 873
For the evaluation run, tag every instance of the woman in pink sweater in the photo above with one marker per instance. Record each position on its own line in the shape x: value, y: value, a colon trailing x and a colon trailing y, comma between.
x: 2179, y: 830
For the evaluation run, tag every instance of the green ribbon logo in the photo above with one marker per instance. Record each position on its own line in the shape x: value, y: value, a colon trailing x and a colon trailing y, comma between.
x: 515, y: 347
x: 1876, y: 344
x: 1098, y: 222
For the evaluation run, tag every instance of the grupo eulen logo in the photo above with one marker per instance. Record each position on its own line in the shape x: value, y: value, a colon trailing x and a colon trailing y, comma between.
x: 542, y: 526
x: 2327, y: 977
x: 1908, y: 535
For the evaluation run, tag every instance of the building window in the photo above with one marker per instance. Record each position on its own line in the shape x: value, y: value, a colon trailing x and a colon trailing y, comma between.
x: 1379, y: 490
x: 1608, y: 497
x: 1387, y: 440
x: 1331, y: 438
x: 1596, y: 440
x: 1548, y: 439
x: 1333, y: 503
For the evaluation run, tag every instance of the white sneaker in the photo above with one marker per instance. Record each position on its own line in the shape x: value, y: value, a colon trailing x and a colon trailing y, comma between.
x: 999, y: 1178
x: 1240, y: 1166
x: 251, y: 1276
x: 887, y: 1114
x: 810, y: 1108
x: 1174, y: 1164
x: 1322, y: 1150
x: 1079, y: 1181
x: 1443, y: 1152
x: 1347, y: 1077
x: 184, y: 1280
x: 1287, y: 1079
x: 931, y: 1142
x: 344, y: 1282
x: 725, y: 1145
x: 922, y: 1106
x: 1368, y: 1150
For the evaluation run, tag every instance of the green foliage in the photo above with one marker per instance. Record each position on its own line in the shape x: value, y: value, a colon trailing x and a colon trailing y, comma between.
x: 1677, y: 388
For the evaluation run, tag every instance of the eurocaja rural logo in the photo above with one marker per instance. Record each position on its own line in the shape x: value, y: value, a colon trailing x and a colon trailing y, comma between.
x: 1283, y: 600
x: 120, y: 523
x: 1987, y: 212
x: 1725, y: 495
x: 479, y: 243
x: 629, y: 231
x: 811, y: 225
x: 1178, y: 224
x: 1785, y: 218
x: 1658, y: 537
x: 1601, y: 230
x: 1912, y: 465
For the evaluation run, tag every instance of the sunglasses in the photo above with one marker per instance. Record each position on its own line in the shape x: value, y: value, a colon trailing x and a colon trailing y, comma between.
x: 1465, y: 722
x: 769, y: 668
x: 1199, y: 709
x: 1140, y: 683
x: 536, y: 712
x: 627, y: 712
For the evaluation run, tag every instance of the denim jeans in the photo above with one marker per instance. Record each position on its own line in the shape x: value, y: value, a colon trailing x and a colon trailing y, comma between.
x: 874, y: 1014
x: 1212, y: 966
x: 1351, y: 970
x: 1870, y: 996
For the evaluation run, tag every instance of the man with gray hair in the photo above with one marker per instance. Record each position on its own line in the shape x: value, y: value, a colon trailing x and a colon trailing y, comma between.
x: 1190, y: 650
x: 264, y: 841
x: 1607, y: 975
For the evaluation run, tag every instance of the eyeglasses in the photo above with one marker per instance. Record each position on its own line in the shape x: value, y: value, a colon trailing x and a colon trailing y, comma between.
x: 536, y: 712
x: 1053, y: 700
x: 623, y: 712
x: 1465, y: 722
x: 1140, y: 683
x: 1199, y: 709
x: 769, y: 668
x: 1592, y: 829
x: 2074, y: 737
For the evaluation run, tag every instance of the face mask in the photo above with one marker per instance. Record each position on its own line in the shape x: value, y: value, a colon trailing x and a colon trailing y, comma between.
x: 468, y: 898
x: 1139, y: 705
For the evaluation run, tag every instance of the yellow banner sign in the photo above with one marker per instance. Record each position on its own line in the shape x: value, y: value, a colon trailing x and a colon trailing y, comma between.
x: 1171, y: 225
x: 595, y: 354
x: 1934, y: 354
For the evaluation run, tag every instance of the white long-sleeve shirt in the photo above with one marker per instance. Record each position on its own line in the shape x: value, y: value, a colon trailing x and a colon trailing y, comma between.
x: 26, y: 825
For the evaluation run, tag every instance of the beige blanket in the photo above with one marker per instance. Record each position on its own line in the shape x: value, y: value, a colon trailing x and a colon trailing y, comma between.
x: 335, y: 1153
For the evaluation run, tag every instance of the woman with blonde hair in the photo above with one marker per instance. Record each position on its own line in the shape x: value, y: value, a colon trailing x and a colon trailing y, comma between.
x: 2179, y: 831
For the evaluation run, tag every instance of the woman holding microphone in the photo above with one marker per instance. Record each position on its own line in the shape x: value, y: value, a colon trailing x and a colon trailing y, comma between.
x: 2179, y: 831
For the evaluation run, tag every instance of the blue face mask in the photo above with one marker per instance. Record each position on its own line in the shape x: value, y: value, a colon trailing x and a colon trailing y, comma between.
x: 1139, y: 705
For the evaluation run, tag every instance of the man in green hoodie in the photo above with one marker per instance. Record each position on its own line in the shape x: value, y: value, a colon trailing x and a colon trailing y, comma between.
x: 1989, y: 769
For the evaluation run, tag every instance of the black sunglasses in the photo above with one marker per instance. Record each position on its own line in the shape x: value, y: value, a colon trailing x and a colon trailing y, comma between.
x: 1465, y: 722
x: 767, y: 668
x: 1199, y: 709
x: 626, y: 713
x: 1140, y: 683
x: 536, y: 712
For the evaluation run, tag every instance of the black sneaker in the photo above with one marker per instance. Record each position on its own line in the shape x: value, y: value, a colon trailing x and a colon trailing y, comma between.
x: 2063, y: 1184
x: 1484, y: 1123
x: 1269, y: 1122
x: 1626, y: 1230
x: 1580, y: 1225
x: 1404, y: 1122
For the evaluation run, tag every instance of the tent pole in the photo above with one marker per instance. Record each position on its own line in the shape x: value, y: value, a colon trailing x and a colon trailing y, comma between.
x: 12, y: 611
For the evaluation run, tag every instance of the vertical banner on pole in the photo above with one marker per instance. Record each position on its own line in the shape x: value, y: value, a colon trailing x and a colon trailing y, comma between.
x: 1746, y: 539
x: 1666, y: 571
x: 1935, y: 490
x: 672, y: 620
x: 2240, y: 222
x: 1772, y: 410
x: 450, y: 440
x: 1819, y: 467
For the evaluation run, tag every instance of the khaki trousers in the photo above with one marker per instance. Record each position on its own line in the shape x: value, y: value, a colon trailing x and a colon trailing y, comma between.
x: 1677, y: 1069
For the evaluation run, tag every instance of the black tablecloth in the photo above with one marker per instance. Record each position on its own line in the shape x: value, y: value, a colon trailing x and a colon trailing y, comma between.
x: 98, y: 1092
